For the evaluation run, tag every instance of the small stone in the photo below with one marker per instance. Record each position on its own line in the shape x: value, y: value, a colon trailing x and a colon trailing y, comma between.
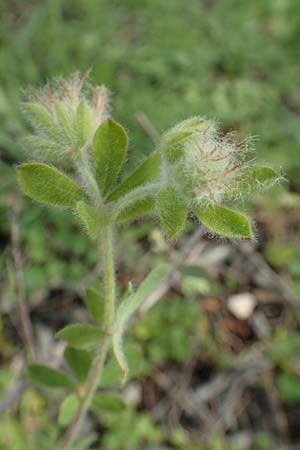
x: 241, y: 305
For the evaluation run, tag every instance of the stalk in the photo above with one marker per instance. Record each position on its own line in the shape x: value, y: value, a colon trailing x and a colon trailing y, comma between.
x: 101, y: 354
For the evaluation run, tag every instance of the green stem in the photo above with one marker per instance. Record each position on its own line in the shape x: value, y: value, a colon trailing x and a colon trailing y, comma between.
x: 98, y: 364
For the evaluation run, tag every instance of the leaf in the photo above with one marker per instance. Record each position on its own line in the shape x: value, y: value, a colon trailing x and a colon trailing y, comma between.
x: 66, y: 121
x: 79, y: 361
x: 49, y: 377
x: 172, y: 211
x: 82, y: 336
x: 288, y: 386
x: 89, y: 218
x: 146, y: 172
x: 43, y: 121
x: 138, y: 208
x: 117, y: 344
x: 138, y: 366
x: 223, y: 221
x: 105, y: 401
x: 95, y: 303
x: 129, y: 306
x: 83, y: 123
x: 253, y: 179
x: 109, y: 145
x: 68, y: 409
x: 46, y: 184
x: 43, y: 148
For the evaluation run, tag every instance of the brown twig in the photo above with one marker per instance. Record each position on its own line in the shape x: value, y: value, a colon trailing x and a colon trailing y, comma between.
x: 27, y: 331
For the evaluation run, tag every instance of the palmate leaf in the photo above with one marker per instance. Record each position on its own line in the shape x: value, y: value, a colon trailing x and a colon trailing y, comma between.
x: 82, y: 336
x: 146, y: 172
x: 172, y: 211
x: 223, y: 221
x: 48, y: 185
x: 49, y: 377
x: 109, y: 148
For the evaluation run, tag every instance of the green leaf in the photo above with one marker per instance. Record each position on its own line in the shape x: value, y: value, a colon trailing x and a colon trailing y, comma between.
x: 138, y: 366
x: 146, y: 172
x: 138, y: 208
x: 172, y: 211
x: 105, y: 401
x: 43, y: 148
x: 129, y: 306
x: 253, y: 179
x: 68, y: 409
x: 83, y: 123
x: 79, y: 361
x: 82, y: 336
x: 289, y: 388
x: 117, y: 344
x: 109, y: 145
x: 43, y: 121
x: 66, y: 121
x: 223, y: 221
x: 89, y: 218
x: 46, y: 184
x: 95, y: 304
x: 49, y: 377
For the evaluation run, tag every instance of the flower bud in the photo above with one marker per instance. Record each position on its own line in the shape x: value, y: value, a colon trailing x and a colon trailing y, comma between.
x: 64, y: 117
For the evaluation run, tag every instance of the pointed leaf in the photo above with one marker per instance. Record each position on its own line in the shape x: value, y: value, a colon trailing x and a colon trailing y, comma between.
x: 89, y: 218
x: 48, y: 185
x: 129, y: 306
x: 66, y: 121
x: 49, y: 377
x: 172, y: 210
x: 83, y: 123
x: 43, y: 121
x: 95, y: 303
x: 110, y: 145
x: 79, y: 361
x: 136, y: 209
x: 146, y: 172
x: 43, y: 148
x: 223, y: 221
x: 117, y: 343
x: 68, y: 409
x: 253, y: 179
x: 81, y: 336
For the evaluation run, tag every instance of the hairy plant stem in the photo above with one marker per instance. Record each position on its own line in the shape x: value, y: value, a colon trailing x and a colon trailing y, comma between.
x: 101, y: 354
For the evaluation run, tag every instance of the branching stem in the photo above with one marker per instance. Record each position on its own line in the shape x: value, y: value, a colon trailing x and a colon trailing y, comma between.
x: 98, y: 364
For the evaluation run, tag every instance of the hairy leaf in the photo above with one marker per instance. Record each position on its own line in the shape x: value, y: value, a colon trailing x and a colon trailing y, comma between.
x: 138, y: 208
x: 79, y: 361
x: 146, y: 172
x: 82, y: 336
x: 43, y: 121
x: 223, y: 221
x: 253, y: 179
x: 95, y: 304
x: 83, y: 123
x: 49, y: 377
x: 109, y: 145
x: 89, y: 218
x: 66, y: 121
x: 129, y: 306
x: 49, y: 185
x: 172, y: 211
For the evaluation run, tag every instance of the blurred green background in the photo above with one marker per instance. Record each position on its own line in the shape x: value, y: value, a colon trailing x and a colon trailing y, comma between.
x: 235, y: 61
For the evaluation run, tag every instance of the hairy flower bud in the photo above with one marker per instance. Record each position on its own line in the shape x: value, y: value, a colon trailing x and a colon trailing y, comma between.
x: 64, y: 116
